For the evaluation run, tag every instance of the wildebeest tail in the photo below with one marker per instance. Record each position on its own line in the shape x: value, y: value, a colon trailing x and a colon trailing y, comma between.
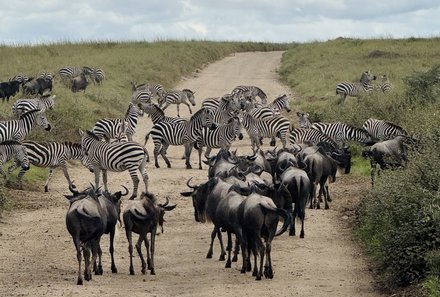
x: 282, y: 213
x: 146, y: 138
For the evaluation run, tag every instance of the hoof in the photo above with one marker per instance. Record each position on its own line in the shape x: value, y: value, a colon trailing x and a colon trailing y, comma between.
x: 228, y: 264
x: 157, y: 165
x: 131, y: 272
x: 168, y: 165
x: 301, y: 235
x: 291, y: 233
x: 258, y: 277
x: 79, y: 282
x: 234, y: 258
x: 153, y: 272
x: 114, y: 270
x: 209, y: 256
x: 46, y: 189
x: 188, y: 167
x: 222, y: 258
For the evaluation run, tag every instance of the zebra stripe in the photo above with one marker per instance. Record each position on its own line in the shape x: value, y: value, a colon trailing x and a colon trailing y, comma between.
x: 69, y: 73
x: 154, y: 89
x: 220, y: 137
x: 341, y: 132
x: 211, y: 103
x: 357, y: 89
x: 226, y: 109
x: 13, y: 150
x: 115, y: 128
x: 250, y: 92
x: 165, y: 134
x: 19, y: 129
x: 52, y: 155
x: 116, y: 157
x: 47, y: 76
x: 385, y: 85
x: 382, y: 130
x: 141, y: 97
x: 257, y: 129
x: 309, y: 137
x: 178, y: 97
x: 22, y: 106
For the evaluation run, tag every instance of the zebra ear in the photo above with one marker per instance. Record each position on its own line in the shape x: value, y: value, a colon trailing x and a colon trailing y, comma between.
x: 81, y: 132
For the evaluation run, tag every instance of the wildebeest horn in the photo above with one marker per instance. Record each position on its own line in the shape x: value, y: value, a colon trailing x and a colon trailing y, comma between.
x: 189, y: 186
x: 126, y: 191
x: 166, y: 203
x: 72, y: 189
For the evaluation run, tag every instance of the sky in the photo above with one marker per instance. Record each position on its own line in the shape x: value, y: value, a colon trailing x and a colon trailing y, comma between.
x: 52, y: 21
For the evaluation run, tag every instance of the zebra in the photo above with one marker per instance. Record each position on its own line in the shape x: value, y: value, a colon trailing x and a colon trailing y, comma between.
x: 141, y: 97
x: 257, y: 129
x: 385, y: 85
x: 115, y: 128
x: 185, y: 133
x: 157, y: 115
x: 19, y: 129
x: 67, y: 74
x: 211, y: 103
x: 52, y: 155
x: 355, y: 89
x: 341, y: 132
x: 155, y: 89
x: 226, y: 109
x: 250, y: 92
x: 97, y: 75
x: 304, y: 121
x: 116, y: 157
x: 12, y: 149
x: 298, y: 136
x: 43, y: 103
x: 21, y: 78
x: 383, y: 130
x: 178, y: 97
x: 220, y: 137
x: 47, y: 76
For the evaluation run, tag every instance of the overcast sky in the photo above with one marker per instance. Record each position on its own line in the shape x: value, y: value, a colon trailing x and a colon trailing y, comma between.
x: 48, y: 21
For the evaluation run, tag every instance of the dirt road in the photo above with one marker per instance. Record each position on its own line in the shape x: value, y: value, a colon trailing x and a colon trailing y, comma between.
x: 37, y: 257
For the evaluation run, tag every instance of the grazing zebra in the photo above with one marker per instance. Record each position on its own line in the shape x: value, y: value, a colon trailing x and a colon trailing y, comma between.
x: 250, y: 92
x: 304, y: 121
x: 385, y: 85
x: 257, y: 129
x: 308, y: 136
x: 97, y: 75
x: 355, y: 89
x: 18, y: 129
x: 220, y: 137
x: 184, y: 133
x: 341, y: 132
x: 12, y: 149
x: 115, y: 128
x: 52, y: 155
x: 117, y: 157
x: 178, y: 97
x: 383, y: 130
x: 22, y: 106
x: 157, y: 115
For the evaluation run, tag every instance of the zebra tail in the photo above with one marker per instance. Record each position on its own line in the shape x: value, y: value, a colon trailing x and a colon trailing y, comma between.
x: 146, y: 138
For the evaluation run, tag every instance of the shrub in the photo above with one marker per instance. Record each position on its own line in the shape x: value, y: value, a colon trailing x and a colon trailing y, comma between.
x: 424, y: 87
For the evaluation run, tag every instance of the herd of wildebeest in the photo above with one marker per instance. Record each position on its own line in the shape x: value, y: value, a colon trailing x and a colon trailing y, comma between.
x: 245, y: 196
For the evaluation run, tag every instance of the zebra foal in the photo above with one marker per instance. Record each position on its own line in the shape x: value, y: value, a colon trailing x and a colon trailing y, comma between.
x: 178, y: 97
x: 117, y: 157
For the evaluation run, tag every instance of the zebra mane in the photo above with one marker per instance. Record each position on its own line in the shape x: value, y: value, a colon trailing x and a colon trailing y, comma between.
x: 10, y: 142
x: 71, y: 144
x: 93, y: 135
x: 26, y: 114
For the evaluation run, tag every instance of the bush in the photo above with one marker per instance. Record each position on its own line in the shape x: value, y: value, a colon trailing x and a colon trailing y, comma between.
x: 400, y: 217
x: 424, y: 87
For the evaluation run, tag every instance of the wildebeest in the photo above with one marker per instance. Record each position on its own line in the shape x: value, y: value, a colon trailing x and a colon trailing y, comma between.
x: 80, y: 83
x: 86, y: 221
x: 9, y: 89
x: 143, y: 216
x: 38, y: 85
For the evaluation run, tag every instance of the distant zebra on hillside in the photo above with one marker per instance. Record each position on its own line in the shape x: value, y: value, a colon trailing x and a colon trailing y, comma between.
x: 178, y: 97
x: 383, y: 130
x: 385, y: 85
x: 97, y: 75
x: 355, y: 89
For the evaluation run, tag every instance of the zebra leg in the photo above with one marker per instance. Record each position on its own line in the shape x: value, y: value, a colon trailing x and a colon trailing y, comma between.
x: 156, y: 151
x: 208, y: 151
x: 46, y: 185
x: 144, y: 173
x: 97, y: 172
x: 104, y: 179
x: 135, y: 179
x: 200, y: 150
x: 163, y: 153
x: 188, y: 149
x: 189, y: 107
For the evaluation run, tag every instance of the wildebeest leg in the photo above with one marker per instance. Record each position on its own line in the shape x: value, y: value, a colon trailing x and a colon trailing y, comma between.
x: 200, y: 151
x: 313, y: 198
x: 244, y: 253
x: 229, y: 248
x: 130, y: 246
x: 323, y: 192
x: 236, y: 250
x: 147, y: 246
x: 329, y: 199
x: 97, y: 250
x: 300, y: 210
x: 135, y: 179
x: 188, y: 149
x: 86, y: 254
x: 112, y: 250
x: 261, y: 250
x: 152, y: 248
x: 78, y: 257
x: 268, y: 272
x: 141, y: 256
